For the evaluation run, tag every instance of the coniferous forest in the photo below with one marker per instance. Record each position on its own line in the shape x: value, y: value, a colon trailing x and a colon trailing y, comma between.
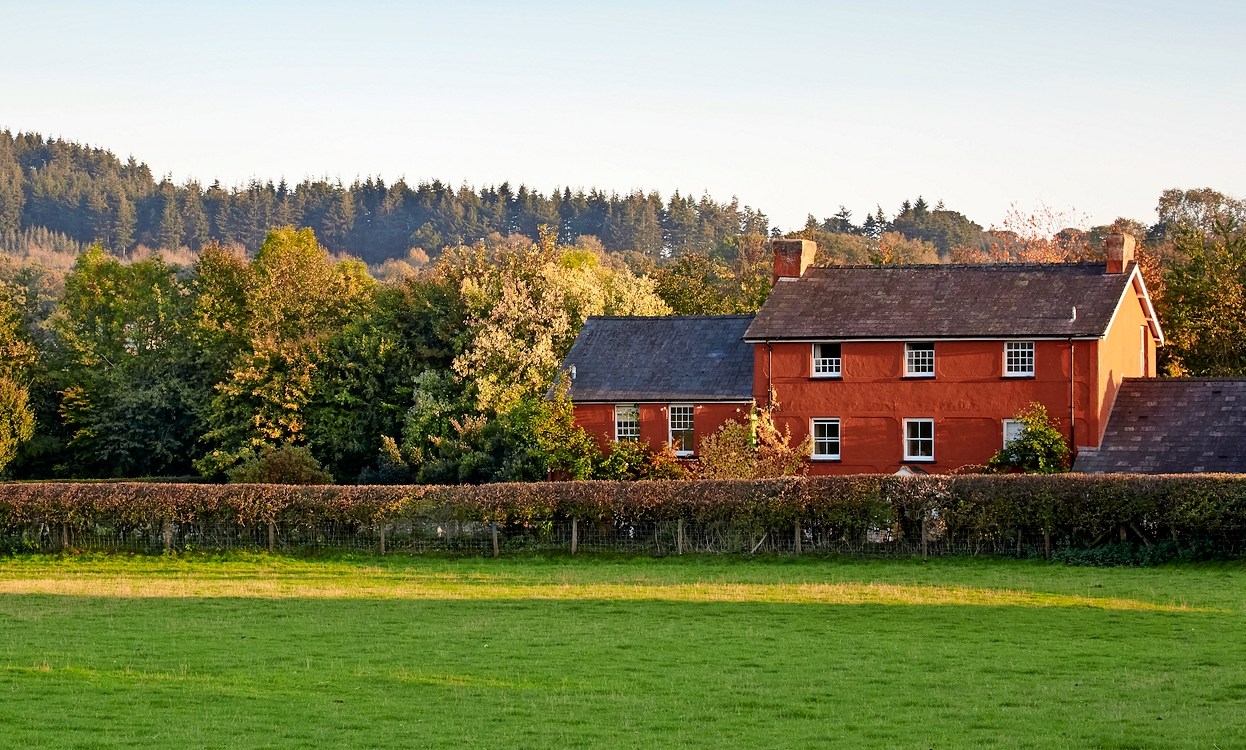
x: 395, y: 333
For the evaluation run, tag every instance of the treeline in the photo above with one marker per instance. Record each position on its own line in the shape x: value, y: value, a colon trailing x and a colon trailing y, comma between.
x: 91, y: 196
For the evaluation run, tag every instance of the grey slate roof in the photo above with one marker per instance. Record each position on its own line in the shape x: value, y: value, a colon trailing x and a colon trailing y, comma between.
x: 941, y: 301
x: 676, y: 358
x: 1173, y: 426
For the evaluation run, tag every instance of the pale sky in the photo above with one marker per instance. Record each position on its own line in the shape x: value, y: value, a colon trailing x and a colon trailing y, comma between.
x: 1088, y: 108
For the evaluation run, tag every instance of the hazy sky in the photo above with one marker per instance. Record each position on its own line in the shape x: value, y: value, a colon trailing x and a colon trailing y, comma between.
x: 1091, y: 108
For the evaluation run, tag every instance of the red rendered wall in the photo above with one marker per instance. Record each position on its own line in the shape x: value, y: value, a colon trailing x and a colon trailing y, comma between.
x: 968, y: 399
x: 598, y: 421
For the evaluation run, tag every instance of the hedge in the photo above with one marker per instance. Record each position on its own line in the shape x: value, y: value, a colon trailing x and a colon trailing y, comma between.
x: 1071, y: 509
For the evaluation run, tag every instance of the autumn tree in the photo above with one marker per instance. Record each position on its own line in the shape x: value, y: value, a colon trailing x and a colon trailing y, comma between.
x: 17, y: 357
x: 1201, y: 307
x: 296, y: 299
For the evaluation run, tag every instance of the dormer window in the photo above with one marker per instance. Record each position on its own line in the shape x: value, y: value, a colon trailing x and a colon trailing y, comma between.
x: 919, y: 360
x: 826, y: 361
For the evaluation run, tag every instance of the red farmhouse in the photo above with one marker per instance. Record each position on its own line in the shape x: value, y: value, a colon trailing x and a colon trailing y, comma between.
x: 889, y: 367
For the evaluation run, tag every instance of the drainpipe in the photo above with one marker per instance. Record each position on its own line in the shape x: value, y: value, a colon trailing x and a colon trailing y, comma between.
x: 769, y: 376
x: 1072, y: 392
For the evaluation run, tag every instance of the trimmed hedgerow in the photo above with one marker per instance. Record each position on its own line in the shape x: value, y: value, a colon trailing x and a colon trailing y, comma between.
x: 1073, y: 510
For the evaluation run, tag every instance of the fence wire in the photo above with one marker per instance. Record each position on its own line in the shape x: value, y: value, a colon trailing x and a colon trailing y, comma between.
x: 569, y: 536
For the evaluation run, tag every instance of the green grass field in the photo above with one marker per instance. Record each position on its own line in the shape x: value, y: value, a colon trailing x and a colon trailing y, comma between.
x: 397, y: 652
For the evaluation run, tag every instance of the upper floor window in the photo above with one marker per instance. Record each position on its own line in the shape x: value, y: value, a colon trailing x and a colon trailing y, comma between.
x: 919, y: 440
x: 919, y: 360
x: 626, y: 422
x: 826, y: 361
x: 1018, y: 359
x: 825, y: 439
x: 681, y: 429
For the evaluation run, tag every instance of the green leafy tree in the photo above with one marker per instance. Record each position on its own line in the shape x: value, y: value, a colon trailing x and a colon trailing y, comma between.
x: 1039, y: 449
x: 120, y: 365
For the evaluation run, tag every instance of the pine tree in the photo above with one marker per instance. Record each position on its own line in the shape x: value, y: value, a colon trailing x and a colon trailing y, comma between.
x: 171, y: 225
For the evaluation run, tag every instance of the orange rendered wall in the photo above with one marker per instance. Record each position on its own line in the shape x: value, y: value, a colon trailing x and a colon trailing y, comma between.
x: 598, y: 421
x: 1119, y: 358
x: 968, y: 398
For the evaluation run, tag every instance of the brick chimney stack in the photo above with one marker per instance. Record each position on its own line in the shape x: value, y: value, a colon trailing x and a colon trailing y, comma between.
x: 1120, y: 251
x: 792, y: 257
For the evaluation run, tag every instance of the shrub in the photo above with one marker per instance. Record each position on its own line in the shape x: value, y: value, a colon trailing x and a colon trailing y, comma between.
x: 288, y: 464
x: 1039, y: 449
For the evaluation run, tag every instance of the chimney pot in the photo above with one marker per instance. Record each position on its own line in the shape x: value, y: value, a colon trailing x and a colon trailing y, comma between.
x: 792, y: 257
x: 1120, y: 251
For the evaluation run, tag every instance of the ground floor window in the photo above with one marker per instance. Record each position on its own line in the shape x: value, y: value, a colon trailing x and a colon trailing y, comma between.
x: 919, y: 440
x: 681, y: 429
x: 1012, y: 430
x: 826, y: 439
x: 626, y: 422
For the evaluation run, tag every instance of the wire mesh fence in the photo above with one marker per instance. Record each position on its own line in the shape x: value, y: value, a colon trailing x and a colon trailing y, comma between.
x: 566, y: 536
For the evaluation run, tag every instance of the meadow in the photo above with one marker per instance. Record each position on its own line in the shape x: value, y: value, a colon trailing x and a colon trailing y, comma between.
x: 285, y: 652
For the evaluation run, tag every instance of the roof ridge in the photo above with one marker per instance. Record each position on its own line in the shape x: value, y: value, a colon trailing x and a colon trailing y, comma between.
x: 922, y: 266
x: 734, y: 316
x: 1188, y: 379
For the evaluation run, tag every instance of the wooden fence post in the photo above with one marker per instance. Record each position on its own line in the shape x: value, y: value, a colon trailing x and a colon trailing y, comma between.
x: 382, y: 539
x: 272, y: 536
x: 1046, y: 544
x: 575, y: 535
x: 796, y: 546
x: 493, y: 532
x: 64, y: 536
x: 679, y: 537
x: 167, y: 529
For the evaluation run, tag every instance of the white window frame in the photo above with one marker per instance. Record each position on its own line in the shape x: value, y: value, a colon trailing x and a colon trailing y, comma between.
x: 1010, y: 362
x: 1015, y: 424
x: 625, y: 429
x: 826, y: 367
x: 690, y: 410
x: 814, y: 424
x: 917, y: 421
x: 914, y: 356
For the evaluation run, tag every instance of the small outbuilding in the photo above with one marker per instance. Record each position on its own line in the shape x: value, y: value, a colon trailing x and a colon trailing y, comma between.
x: 661, y: 380
x: 1172, y: 426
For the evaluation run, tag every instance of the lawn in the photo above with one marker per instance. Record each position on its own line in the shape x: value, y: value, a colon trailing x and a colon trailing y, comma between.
x: 262, y: 651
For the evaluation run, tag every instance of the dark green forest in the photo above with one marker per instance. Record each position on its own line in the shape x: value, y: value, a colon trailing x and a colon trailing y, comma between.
x: 389, y: 333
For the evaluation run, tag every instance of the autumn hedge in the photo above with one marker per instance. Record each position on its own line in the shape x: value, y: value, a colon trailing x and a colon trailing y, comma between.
x: 1072, y: 508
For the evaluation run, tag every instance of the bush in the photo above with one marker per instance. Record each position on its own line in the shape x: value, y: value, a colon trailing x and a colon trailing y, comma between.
x: 289, y: 464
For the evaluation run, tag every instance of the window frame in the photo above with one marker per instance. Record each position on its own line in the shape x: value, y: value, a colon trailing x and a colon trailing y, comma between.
x: 1032, y: 357
x: 918, y: 421
x: 691, y: 429
x: 814, y: 359
x: 911, y: 348
x: 631, y: 438
x: 814, y: 423
x: 1020, y: 426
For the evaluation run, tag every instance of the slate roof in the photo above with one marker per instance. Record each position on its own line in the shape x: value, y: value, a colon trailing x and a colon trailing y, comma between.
x: 941, y: 301
x: 677, y: 358
x: 1173, y: 426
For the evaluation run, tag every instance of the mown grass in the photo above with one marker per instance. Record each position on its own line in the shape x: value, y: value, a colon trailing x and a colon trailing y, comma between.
x: 382, y: 652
